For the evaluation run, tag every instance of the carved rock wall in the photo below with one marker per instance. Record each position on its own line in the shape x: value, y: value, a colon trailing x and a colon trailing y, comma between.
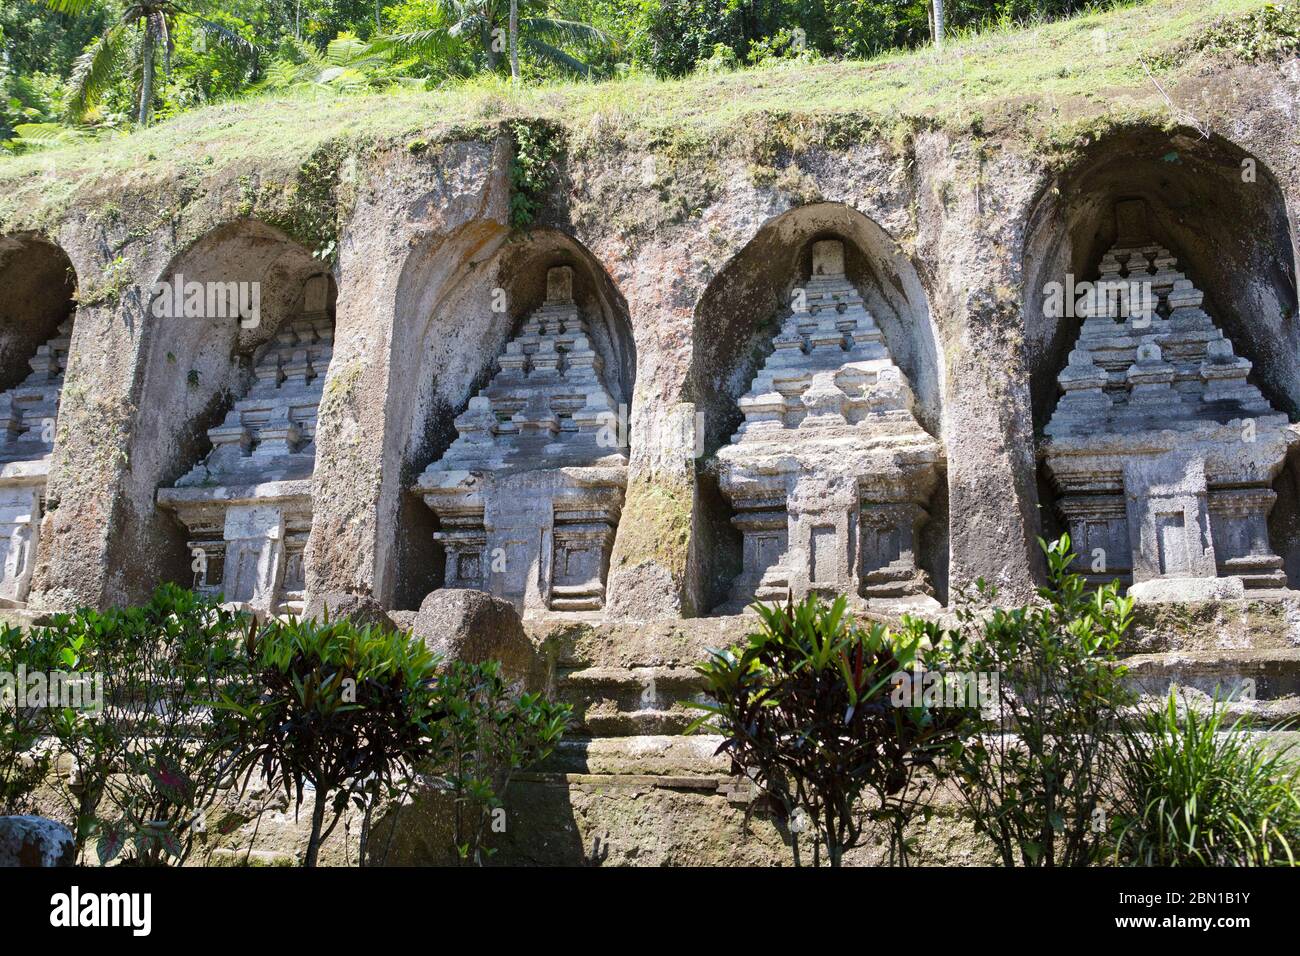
x: 948, y: 242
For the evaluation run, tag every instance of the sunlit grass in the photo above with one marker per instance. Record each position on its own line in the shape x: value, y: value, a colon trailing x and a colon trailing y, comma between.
x: 1091, y: 61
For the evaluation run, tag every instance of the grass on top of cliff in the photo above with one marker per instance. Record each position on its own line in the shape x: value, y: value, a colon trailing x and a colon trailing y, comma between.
x: 1039, y: 77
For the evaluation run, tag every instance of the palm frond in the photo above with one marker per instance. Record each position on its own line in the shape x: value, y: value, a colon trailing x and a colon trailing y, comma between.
x: 563, y: 31
x: 46, y: 134
x: 437, y: 42
x: 346, y: 50
x: 308, y: 54
x: 226, y: 36
x: 554, y: 56
x: 72, y: 7
x: 93, y: 72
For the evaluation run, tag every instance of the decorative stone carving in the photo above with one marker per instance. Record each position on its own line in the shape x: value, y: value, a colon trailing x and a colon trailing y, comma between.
x: 529, y: 494
x: 247, y: 504
x: 27, y: 418
x: 1161, y: 450
x: 830, y: 472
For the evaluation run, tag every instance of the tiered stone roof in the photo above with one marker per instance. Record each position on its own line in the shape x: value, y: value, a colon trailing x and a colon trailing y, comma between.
x: 1162, y: 364
x: 25, y: 408
x: 269, y: 434
x: 547, y: 406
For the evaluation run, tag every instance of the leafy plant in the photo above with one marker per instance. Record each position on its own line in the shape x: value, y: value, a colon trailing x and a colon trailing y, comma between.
x: 346, y: 710
x: 348, y: 65
x: 24, y: 763
x: 485, y: 26
x: 133, y: 45
x: 1034, y: 778
x: 150, y: 763
x: 806, y: 710
x: 531, y: 170
x: 488, y: 732
x: 1196, y: 791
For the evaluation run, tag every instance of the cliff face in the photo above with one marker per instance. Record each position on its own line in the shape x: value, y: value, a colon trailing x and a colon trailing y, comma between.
x: 687, y: 243
x: 962, y: 193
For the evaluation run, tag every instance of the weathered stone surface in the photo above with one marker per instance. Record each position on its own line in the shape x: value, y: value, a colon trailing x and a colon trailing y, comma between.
x: 35, y: 841
x: 528, y: 495
x: 1163, y: 452
x: 468, y: 625
x: 643, y: 811
x: 830, y: 472
x: 361, y: 609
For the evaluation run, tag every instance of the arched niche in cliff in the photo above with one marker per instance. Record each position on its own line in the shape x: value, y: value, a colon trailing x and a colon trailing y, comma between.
x: 1221, y: 214
x: 735, y: 330
x: 37, y: 304
x: 461, y: 302
x: 214, y: 315
x: 37, y: 295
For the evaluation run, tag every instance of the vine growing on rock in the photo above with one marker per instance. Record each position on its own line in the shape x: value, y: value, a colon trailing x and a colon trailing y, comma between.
x: 532, y: 168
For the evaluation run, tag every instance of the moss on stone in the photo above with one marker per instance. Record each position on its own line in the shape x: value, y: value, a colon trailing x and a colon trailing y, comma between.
x: 656, y: 526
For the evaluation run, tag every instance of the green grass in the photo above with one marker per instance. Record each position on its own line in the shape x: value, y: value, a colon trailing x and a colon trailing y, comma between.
x: 1005, y: 81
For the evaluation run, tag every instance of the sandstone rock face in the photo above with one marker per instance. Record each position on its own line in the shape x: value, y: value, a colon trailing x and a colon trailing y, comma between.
x: 35, y: 841
x: 1164, y: 452
x: 361, y: 609
x: 28, y: 414
x: 247, y: 504
x: 469, y: 625
x: 830, y: 471
x: 529, y: 493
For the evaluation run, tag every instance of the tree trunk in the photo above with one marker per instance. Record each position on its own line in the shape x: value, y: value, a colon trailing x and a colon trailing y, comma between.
x: 514, y: 40
x: 146, y: 77
x: 938, y: 24
x: 317, y: 821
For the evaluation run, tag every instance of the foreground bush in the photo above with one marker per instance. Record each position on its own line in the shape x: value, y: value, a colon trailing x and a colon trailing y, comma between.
x: 24, y: 763
x: 805, y: 710
x: 151, y: 760
x: 488, y: 732
x: 1195, y: 791
x: 345, y: 709
x: 1034, y: 780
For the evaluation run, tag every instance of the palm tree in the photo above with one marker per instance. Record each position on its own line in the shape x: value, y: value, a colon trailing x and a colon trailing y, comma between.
x: 479, y: 20
x: 120, y: 48
x: 514, y: 40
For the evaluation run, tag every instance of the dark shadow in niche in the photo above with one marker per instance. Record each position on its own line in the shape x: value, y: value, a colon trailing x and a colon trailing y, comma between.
x: 1223, y: 215
x: 37, y: 294
x: 195, y: 368
x: 741, y: 311
x: 455, y: 291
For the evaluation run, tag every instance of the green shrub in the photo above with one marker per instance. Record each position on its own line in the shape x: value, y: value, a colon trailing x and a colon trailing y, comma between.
x: 805, y: 710
x: 1196, y: 792
x: 345, y: 709
x: 1034, y: 779
x: 487, y: 733
x: 532, y: 169
x: 151, y: 760
x: 24, y: 762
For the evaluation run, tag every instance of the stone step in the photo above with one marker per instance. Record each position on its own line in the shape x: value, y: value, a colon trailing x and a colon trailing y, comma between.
x: 667, y: 758
x: 1260, y: 686
x: 630, y: 701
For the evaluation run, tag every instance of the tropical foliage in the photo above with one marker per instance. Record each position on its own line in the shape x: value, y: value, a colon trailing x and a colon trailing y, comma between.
x: 121, y: 63
x: 1196, y: 790
x: 805, y: 710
